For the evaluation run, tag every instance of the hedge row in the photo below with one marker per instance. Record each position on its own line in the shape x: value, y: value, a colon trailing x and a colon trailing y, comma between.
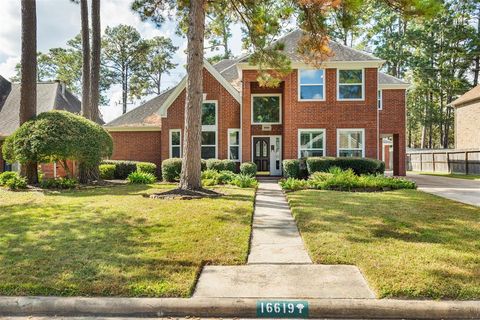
x: 122, y: 168
x: 304, y: 167
x: 171, y: 168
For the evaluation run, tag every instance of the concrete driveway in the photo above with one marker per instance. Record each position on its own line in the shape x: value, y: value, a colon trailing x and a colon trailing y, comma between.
x: 466, y: 191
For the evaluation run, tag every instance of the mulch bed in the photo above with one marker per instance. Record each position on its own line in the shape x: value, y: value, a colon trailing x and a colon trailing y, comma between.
x: 180, y: 194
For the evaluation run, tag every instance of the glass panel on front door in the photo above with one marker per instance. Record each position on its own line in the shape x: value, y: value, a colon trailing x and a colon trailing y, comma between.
x: 262, y: 153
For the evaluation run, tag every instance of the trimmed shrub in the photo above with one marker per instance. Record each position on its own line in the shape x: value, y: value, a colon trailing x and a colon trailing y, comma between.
x: 140, y: 177
x: 171, y: 169
x: 291, y: 168
x: 244, y: 181
x: 203, y: 164
x: 58, y: 183
x: 107, y: 171
x: 229, y: 165
x: 248, y: 168
x: 358, y: 165
x: 122, y: 167
x: 213, y: 177
x: 16, y: 183
x: 215, y: 164
x: 147, y: 167
x: 7, y: 175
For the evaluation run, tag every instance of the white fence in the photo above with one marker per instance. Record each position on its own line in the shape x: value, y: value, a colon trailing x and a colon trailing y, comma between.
x: 444, y: 161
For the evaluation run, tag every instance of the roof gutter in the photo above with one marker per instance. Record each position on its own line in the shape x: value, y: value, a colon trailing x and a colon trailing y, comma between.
x: 127, y: 129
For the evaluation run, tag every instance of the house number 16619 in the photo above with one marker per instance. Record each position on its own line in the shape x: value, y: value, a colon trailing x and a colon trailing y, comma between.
x: 282, y: 309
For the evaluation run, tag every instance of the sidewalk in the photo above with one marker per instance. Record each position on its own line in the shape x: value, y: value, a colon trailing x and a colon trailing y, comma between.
x: 278, y: 265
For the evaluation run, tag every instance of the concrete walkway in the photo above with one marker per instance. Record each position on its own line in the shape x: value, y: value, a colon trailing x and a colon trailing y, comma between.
x: 278, y: 264
x: 462, y: 190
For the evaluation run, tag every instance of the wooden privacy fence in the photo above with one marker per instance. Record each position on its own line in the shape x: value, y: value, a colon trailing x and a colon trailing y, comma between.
x: 444, y: 161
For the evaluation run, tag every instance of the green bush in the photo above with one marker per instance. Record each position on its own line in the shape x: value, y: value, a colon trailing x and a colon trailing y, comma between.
x: 140, y: 177
x: 107, y: 171
x: 16, y: 183
x: 244, y: 181
x: 147, y: 167
x: 7, y: 175
x: 171, y: 169
x: 229, y: 165
x: 215, y: 164
x: 293, y: 184
x: 213, y: 177
x: 358, y: 165
x: 58, y: 183
x: 248, y: 168
x: 291, y: 168
x: 122, y: 167
x: 203, y: 164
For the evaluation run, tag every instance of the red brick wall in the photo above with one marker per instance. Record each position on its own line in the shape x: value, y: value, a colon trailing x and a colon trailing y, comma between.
x: 137, y: 146
x: 49, y: 172
x: 228, y: 114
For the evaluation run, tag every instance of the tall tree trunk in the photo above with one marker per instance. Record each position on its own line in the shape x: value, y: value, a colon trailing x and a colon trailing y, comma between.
x: 191, y: 166
x: 124, y: 91
x: 86, y: 108
x: 28, y: 90
x: 159, y: 83
x: 95, y: 61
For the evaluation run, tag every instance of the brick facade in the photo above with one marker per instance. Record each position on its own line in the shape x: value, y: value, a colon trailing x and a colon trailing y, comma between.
x: 467, y: 128
x: 330, y: 115
x: 137, y: 146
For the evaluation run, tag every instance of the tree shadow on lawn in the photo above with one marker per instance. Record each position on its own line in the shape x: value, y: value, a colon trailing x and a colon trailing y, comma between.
x: 61, y: 249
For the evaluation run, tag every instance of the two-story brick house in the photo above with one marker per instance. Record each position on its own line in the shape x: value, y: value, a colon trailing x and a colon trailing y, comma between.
x: 345, y: 108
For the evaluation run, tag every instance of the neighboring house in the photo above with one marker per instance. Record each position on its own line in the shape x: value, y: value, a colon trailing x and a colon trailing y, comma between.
x: 467, y: 120
x: 345, y: 108
x: 50, y: 96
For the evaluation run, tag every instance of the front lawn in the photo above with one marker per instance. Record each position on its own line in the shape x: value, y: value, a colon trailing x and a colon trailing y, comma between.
x: 407, y: 243
x: 114, y: 242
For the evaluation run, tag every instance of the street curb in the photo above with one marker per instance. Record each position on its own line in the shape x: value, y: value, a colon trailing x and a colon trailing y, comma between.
x: 234, y: 308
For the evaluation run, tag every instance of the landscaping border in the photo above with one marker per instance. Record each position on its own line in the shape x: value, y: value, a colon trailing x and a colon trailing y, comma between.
x: 234, y: 308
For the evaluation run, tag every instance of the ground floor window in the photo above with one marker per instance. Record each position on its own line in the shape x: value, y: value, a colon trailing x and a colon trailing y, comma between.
x: 209, y: 146
x: 175, y: 143
x: 234, y: 144
x: 351, y: 142
x: 311, y: 143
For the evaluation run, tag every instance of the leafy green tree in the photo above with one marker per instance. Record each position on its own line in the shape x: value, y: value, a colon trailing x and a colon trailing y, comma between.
x: 158, y: 62
x: 58, y: 136
x: 262, y: 22
x: 125, y: 53
x: 218, y: 32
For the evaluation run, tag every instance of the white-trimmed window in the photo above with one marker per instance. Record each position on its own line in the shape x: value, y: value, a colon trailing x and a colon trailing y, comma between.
x: 350, y: 84
x: 209, y: 130
x: 351, y: 142
x: 234, y: 144
x: 379, y: 100
x: 266, y: 108
x: 311, y: 143
x: 175, y: 143
x: 311, y: 85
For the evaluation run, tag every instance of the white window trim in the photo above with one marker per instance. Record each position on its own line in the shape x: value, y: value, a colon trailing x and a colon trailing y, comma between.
x: 253, y: 95
x: 300, y: 131
x: 212, y: 128
x: 363, y: 84
x: 380, y: 99
x: 170, y: 141
x: 299, y: 85
x: 351, y: 129
x: 239, y: 143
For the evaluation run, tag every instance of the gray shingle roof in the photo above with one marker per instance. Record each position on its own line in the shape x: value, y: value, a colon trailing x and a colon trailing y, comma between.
x: 145, y: 115
x: 49, y: 97
x: 384, y: 78
x: 340, y: 51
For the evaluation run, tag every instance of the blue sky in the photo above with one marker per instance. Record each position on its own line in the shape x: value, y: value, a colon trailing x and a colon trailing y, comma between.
x: 59, y: 21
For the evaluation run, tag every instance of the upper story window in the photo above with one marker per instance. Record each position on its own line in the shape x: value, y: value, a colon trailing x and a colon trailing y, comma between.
x: 350, y: 85
x: 266, y: 108
x: 350, y: 142
x: 209, y: 130
x: 311, y: 85
x: 379, y: 100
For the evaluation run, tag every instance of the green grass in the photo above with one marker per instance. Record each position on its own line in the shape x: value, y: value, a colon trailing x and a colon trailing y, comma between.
x: 453, y: 175
x: 407, y: 243
x: 114, y: 242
